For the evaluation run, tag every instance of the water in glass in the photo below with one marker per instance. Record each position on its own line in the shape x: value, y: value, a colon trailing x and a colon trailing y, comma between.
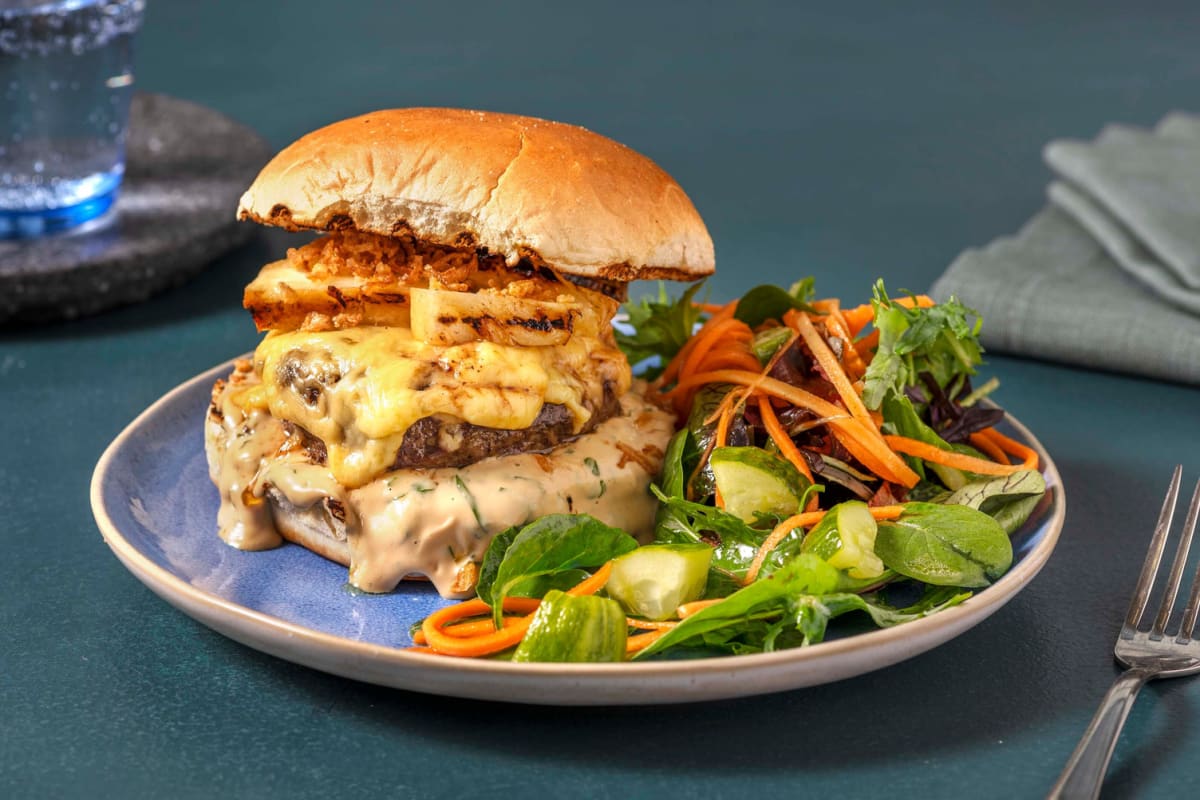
x: 66, y: 78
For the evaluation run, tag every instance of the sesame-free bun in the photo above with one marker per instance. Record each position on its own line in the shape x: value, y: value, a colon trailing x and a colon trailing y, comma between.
x: 558, y: 195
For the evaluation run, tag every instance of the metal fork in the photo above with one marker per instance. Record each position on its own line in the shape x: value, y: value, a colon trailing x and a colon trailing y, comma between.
x: 1146, y: 655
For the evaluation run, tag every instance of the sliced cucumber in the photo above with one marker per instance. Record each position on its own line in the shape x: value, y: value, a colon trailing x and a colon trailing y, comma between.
x: 569, y: 628
x: 845, y: 538
x: 752, y: 480
x: 654, y: 580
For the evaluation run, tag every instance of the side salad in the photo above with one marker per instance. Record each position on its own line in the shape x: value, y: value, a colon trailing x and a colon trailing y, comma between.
x: 829, y: 460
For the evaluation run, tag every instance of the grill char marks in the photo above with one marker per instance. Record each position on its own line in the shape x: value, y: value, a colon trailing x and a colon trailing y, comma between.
x: 427, y: 442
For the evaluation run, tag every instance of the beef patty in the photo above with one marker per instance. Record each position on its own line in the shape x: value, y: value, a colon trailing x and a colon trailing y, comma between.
x: 434, y: 442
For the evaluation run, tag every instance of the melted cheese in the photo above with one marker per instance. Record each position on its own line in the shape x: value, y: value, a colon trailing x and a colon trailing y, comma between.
x: 359, y: 390
x: 434, y: 523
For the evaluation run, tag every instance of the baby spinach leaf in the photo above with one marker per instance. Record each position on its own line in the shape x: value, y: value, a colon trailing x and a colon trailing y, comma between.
x: 491, y: 562
x: 805, y: 574
x: 538, y: 585
x: 935, y: 599
x: 1012, y: 516
x: 771, y: 302
x: 811, y: 614
x: 673, y: 476
x: 803, y: 620
x: 928, y: 492
x: 945, y: 545
x: 554, y: 544
x: 900, y: 417
x: 720, y: 584
x: 1008, y: 499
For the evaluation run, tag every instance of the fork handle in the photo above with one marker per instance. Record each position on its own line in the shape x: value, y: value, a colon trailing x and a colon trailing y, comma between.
x: 1084, y: 773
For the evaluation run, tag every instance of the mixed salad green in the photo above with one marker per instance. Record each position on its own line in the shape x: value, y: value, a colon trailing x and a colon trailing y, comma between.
x: 829, y: 463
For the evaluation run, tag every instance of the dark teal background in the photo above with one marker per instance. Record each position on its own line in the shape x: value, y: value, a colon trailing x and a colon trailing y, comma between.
x: 848, y: 141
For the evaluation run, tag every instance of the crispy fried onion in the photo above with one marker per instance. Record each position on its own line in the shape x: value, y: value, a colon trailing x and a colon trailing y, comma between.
x: 348, y: 279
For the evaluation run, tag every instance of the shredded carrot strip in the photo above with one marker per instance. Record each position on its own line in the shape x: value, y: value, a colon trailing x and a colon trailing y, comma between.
x: 749, y: 393
x: 803, y: 520
x: 520, y: 605
x: 671, y: 371
x: 687, y: 609
x: 835, y: 323
x: 867, y: 345
x: 709, y: 308
x: 881, y: 513
x: 721, y: 350
x: 593, y: 583
x: 781, y: 439
x: 723, y: 424
x: 650, y: 625
x: 831, y: 367
x: 728, y: 358
x: 920, y: 301
x: 858, y: 317
x: 494, y: 641
x: 643, y: 640
x: 863, y: 444
x: 733, y: 396
x: 482, y: 645
x: 1028, y: 455
x: 710, y: 339
x: 936, y: 455
x: 989, y: 448
x: 465, y: 630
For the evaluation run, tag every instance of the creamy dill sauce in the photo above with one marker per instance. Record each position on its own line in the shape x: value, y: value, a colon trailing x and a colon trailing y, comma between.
x: 438, y: 523
x: 238, y: 444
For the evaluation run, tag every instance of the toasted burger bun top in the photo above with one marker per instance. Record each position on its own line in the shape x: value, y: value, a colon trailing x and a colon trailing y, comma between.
x: 557, y: 195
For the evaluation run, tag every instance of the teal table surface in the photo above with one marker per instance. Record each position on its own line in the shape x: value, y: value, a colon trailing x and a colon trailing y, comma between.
x: 846, y: 141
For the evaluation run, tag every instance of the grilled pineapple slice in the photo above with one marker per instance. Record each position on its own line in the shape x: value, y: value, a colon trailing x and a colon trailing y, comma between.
x: 284, y: 297
x: 449, y: 318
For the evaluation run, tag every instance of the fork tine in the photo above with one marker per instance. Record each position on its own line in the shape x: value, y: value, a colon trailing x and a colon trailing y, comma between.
x: 1141, y: 594
x: 1193, y: 603
x: 1177, y: 566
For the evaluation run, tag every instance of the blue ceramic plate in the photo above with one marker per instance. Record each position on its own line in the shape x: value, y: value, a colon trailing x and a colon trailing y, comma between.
x: 157, y: 509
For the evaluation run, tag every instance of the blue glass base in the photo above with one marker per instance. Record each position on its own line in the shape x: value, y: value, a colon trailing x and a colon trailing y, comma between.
x: 32, y: 224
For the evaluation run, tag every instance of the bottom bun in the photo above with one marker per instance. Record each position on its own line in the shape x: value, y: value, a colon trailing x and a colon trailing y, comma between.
x: 310, y: 527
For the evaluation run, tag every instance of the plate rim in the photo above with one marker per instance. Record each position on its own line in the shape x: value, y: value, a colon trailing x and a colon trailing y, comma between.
x: 699, y: 679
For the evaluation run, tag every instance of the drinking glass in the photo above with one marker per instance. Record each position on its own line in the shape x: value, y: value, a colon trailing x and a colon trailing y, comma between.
x: 66, y: 78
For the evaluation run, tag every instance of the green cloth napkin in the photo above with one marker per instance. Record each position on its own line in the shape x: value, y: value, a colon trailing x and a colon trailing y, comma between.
x: 1108, y: 275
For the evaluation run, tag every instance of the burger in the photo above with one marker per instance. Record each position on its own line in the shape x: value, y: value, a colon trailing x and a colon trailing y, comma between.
x: 440, y: 364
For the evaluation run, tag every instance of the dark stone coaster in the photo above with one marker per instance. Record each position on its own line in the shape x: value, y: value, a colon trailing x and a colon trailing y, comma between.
x: 186, y: 166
